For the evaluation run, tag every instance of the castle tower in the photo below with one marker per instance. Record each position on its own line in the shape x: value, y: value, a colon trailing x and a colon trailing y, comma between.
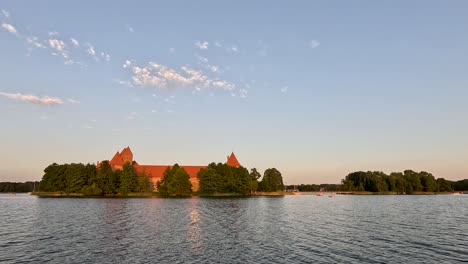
x: 127, y: 155
x: 232, y: 161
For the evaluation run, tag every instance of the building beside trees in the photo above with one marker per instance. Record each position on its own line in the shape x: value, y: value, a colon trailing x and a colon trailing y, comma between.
x: 123, y: 175
x: 156, y: 172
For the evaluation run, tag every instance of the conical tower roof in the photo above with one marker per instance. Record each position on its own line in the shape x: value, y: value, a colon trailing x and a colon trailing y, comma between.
x: 232, y: 161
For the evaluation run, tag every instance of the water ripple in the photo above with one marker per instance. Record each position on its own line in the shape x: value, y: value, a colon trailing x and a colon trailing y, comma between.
x: 292, y: 229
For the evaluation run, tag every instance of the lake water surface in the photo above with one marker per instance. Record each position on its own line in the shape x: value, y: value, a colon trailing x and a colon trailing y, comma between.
x: 290, y: 229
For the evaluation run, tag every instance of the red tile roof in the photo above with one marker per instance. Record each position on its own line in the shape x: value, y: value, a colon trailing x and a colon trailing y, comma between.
x: 116, y: 160
x: 127, y: 155
x: 157, y: 171
x: 232, y: 160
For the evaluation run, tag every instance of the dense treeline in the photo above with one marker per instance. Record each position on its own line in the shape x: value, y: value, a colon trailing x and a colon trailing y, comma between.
x: 89, y: 180
x: 17, y: 187
x: 399, y: 182
x: 222, y: 178
x: 315, y: 187
x: 461, y: 185
x: 175, y: 182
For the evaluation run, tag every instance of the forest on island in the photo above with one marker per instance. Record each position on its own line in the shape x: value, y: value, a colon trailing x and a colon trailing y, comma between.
x: 219, y: 178
x: 215, y: 179
x: 89, y: 180
x: 400, y: 182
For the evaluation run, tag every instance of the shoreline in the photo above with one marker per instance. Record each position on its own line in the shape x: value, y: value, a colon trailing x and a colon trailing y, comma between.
x: 229, y: 195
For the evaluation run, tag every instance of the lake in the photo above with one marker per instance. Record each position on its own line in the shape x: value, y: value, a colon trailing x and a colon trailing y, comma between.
x: 290, y: 229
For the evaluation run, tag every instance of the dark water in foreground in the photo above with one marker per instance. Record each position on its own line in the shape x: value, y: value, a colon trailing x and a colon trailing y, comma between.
x: 291, y: 229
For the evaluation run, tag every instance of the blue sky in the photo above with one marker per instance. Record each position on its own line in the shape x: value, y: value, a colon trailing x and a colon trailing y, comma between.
x: 316, y: 89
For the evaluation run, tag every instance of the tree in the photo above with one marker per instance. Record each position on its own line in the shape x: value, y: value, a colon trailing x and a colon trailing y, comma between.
x: 444, y: 185
x: 106, y: 178
x: 272, y: 181
x: 180, y: 184
x: 54, y: 178
x: 128, y: 179
x: 254, y: 176
x: 175, y: 182
x: 76, y: 178
x: 144, y: 183
x: 209, y: 180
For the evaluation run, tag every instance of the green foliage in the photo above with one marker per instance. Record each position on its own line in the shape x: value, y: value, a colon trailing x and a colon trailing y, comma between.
x: 92, y: 189
x: 106, y: 179
x: 461, y: 185
x: 18, y: 187
x: 444, y: 185
x: 222, y: 178
x: 175, y: 182
x: 315, y: 187
x: 75, y: 178
x: 128, y: 179
x: 406, y: 182
x: 144, y: 183
x: 272, y: 181
x: 88, y: 180
x: 254, y: 176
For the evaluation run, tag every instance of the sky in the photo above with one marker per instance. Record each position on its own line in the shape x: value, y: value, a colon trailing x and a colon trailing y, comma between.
x: 316, y: 89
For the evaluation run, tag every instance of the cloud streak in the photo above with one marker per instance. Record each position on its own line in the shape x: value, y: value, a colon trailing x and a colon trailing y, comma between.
x: 10, y: 28
x: 45, y: 100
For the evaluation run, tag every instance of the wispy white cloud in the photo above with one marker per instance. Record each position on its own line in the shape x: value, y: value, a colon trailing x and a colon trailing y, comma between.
x: 314, y: 44
x: 59, y: 48
x: 172, y: 50
x: 243, y: 93
x: 129, y: 28
x: 218, y: 44
x: 53, y: 33
x: 105, y: 56
x: 73, y: 101
x: 90, y: 50
x: 203, y: 45
x: 45, y: 100
x: 156, y: 75
x: 234, y: 49
x: 5, y: 14
x: 213, y: 68
x: 284, y: 90
x: 10, y: 28
x: 35, y: 42
x: 75, y: 42
x: 57, y: 44
x: 95, y: 54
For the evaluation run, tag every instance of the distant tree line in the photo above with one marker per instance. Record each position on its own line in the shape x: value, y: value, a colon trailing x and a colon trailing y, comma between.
x: 400, y: 182
x: 461, y: 185
x: 18, y: 187
x: 314, y: 187
x: 89, y: 180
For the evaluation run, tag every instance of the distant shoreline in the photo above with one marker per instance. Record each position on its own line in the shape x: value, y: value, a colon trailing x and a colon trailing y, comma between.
x: 227, y: 195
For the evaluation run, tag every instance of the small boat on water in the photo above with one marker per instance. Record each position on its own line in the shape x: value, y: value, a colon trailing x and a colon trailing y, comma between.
x: 332, y: 195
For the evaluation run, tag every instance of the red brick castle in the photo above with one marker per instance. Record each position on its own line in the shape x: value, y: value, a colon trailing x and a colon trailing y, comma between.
x: 155, y: 172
